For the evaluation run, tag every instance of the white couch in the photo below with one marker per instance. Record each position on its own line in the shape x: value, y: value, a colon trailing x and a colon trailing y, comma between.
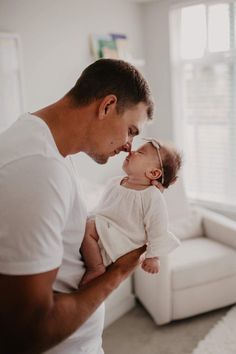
x: 200, y: 275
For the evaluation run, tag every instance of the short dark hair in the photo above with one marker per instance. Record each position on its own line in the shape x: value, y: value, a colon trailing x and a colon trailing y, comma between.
x: 112, y: 76
x: 172, y: 162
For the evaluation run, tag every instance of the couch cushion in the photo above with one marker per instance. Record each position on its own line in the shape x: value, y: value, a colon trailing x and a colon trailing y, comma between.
x: 189, y: 226
x: 176, y: 201
x: 199, y: 261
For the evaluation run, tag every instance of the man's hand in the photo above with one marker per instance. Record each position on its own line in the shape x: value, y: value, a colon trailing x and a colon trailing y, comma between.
x: 127, y: 263
x: 158, y: 185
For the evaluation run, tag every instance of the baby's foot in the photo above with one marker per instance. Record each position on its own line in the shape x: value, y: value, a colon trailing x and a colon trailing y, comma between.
x: 151, y: 265
x: 92, y: 273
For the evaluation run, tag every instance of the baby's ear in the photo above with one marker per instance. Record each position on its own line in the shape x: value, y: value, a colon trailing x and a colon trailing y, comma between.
x: 153, y: 173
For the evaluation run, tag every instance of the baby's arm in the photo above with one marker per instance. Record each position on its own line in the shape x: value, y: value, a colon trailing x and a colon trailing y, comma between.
x: 159, y: 240
x: 156, y: 224
x: 151, y: 265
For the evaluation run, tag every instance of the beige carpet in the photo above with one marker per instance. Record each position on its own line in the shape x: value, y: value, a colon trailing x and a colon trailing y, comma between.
x: 136, y: 333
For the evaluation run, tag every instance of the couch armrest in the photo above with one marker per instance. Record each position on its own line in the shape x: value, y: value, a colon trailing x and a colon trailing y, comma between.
x: 154, y: 291
x: 219, y: 227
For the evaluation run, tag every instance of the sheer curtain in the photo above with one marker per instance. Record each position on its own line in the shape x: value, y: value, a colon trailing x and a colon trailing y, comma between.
x: 203, y: 48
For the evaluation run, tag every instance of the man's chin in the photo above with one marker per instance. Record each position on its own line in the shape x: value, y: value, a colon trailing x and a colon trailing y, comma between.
x: 101, y: 160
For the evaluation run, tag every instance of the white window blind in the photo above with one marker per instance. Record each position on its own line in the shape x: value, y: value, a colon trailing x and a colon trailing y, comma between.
x: 203, y: 43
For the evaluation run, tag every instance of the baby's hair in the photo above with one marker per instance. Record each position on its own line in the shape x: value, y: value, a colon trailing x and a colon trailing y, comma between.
x: 172, y: 161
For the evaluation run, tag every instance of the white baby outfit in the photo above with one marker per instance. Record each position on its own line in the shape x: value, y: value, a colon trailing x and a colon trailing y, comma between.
x: 127, y: 219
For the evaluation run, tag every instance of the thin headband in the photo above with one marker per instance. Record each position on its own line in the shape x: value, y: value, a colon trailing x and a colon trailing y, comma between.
x: 157, y: 145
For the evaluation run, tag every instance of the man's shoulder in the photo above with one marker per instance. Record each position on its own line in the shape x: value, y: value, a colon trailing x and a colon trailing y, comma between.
x: 27, y: 149
x: 28, y: 138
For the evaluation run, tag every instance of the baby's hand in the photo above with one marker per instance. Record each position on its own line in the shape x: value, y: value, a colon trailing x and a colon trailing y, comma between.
x: 151, y: 265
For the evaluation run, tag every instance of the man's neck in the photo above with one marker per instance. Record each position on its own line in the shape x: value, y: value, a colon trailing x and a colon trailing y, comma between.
x: 66, y: 125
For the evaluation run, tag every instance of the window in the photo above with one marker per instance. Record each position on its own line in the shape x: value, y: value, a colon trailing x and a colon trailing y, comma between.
x: 203, y: 47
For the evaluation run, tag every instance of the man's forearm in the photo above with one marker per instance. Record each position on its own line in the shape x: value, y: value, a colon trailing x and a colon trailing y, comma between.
x: 66, y: 314
x: 39, y: 320
x: 72, y: 310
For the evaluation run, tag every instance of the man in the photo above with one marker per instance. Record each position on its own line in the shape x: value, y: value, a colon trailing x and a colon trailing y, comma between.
x: 43, y: 217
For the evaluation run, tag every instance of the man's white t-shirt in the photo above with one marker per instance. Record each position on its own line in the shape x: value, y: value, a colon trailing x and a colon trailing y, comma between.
x: 43, y: 218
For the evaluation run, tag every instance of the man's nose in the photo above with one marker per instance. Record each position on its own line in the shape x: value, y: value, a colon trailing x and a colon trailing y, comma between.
x: 127, y: 147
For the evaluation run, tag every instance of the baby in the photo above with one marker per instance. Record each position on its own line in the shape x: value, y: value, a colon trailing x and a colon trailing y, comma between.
x: 132, y: 212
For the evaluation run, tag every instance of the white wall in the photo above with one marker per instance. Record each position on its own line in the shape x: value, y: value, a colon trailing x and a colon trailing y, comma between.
x: 55, y: 45
x: 55, y: 35
x: 156, y: 31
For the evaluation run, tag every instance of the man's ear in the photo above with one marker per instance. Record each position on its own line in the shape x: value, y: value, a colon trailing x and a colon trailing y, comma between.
x: 107, y: 105
x: 153, y: 173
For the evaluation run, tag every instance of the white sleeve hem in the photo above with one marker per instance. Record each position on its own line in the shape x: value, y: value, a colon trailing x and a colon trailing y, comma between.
x: 162, y: 245
x: 28, y: 268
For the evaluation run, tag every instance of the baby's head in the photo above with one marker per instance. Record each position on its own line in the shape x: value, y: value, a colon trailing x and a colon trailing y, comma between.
x: 155, y: 161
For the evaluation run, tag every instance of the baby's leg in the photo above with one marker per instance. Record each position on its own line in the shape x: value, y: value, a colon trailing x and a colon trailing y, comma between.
x: 91, y: 253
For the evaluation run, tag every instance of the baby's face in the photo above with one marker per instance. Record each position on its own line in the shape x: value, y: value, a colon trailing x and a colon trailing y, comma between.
x: 139, y: 161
